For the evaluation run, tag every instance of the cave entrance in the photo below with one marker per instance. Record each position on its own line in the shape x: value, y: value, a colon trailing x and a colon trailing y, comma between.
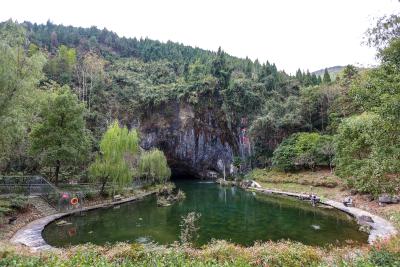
x: 181, y: 170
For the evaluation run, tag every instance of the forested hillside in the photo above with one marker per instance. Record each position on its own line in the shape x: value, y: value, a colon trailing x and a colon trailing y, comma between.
x: 350, y: 124
x: 333, y: 71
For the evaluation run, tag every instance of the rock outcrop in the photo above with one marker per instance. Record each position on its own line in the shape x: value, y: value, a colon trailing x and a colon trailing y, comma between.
x: 197, y: 141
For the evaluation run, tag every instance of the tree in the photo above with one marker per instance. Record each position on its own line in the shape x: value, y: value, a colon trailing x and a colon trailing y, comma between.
x: 299, y: 76
x: 60, y: 67
x: 327, y: 77
x: 366, y: 156
x: 196, y: 71
x: 153, y: 166
x: 115, y: 163
x: 304, y: 150
x: 240, y: 99
x: 285, y: 155
x: 20, y: 74
x: 368, y: 150
x: 60, y: 138
x: 348, y: 74
x: 387, y: 28
x: 90, y: 72
x: 220, y: 69
x: 326, y: 151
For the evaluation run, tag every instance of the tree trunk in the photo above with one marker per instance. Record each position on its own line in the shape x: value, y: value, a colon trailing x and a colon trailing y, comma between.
x: 103, y: 186
x: 58, y: 165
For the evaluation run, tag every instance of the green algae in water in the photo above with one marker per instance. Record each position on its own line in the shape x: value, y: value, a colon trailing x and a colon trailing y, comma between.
x: 227, y: 213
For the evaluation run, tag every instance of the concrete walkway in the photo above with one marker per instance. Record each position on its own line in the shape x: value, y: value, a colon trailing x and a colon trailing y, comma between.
x: 42, y: 206
x: 380, y: 228
x: 31, y: 234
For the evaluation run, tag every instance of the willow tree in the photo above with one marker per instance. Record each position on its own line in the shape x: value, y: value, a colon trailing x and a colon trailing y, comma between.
x: 153, y: 166
x: 118, y: 148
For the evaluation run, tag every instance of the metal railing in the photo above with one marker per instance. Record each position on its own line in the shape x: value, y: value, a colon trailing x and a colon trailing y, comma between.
x: 35, y: 185
x: 57, y: 197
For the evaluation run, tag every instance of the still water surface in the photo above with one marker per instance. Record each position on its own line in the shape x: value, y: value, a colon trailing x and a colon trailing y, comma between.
x: 227, y: 213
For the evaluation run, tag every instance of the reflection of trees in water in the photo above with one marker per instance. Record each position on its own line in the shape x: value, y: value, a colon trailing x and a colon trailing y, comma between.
x: 227, y: 213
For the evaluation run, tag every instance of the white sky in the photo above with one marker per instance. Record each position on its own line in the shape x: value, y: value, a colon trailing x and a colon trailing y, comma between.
x: 310, y: 34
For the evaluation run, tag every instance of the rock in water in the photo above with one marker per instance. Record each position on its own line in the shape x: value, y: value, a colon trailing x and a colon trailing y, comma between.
x: 316, y: 227
x: 62, y: 223
x: 255, y: 184
x: 142, y: 240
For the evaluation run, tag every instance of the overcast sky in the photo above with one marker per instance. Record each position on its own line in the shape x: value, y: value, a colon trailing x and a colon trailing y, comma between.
x: 310, y: 34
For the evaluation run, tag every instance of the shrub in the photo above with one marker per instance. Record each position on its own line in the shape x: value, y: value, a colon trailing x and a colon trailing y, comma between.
x: 189, y: 228
x: 4, y: 210
x: 19, y: 202
x: 284, y: 156
x: 304, y: 150
x: 362, y: 157
x: 384, y: 257
x: 295, y: 255
x: 180, y: 195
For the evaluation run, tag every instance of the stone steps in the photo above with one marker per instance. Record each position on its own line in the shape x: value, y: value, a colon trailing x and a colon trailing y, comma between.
x: 42, y: 206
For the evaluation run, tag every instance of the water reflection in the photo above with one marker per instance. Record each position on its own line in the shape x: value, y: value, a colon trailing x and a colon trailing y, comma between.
x: 227, y: 213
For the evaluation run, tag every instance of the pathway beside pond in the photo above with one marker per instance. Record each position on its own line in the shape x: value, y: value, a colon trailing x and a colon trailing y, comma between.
x: 380, y: 228
x: 31, y: 234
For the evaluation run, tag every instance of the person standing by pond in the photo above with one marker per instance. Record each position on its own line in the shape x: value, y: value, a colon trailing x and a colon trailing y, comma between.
x: 314, y: 200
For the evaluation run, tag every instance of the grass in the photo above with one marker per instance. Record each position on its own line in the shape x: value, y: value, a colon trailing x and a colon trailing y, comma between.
x: 321, y: 183
x: 216, y: 253
x: 321, y: 178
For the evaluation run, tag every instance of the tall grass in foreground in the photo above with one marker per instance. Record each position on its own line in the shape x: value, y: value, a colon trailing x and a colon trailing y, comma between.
x: 216, y: 253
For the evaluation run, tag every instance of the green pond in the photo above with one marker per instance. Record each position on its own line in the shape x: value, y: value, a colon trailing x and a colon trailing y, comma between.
x: 227, y: 213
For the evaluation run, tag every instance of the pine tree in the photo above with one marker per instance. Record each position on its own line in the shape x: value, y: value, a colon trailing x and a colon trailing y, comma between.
x: 220, y: 69
x: 314, y: 79
x: 299, y: 76
x: 327, y: 77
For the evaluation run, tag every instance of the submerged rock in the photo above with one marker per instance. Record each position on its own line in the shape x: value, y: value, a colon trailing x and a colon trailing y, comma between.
x: 63, y: 223
x: 316, y: 227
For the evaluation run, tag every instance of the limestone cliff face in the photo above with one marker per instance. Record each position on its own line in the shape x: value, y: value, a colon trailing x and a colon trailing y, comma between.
x: 196, y: 141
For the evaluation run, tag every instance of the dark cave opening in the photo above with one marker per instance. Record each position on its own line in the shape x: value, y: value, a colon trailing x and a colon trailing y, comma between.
x: 181, y: 170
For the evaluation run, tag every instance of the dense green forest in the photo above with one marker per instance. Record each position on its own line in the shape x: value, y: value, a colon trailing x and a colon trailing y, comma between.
x: 63, y: 86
